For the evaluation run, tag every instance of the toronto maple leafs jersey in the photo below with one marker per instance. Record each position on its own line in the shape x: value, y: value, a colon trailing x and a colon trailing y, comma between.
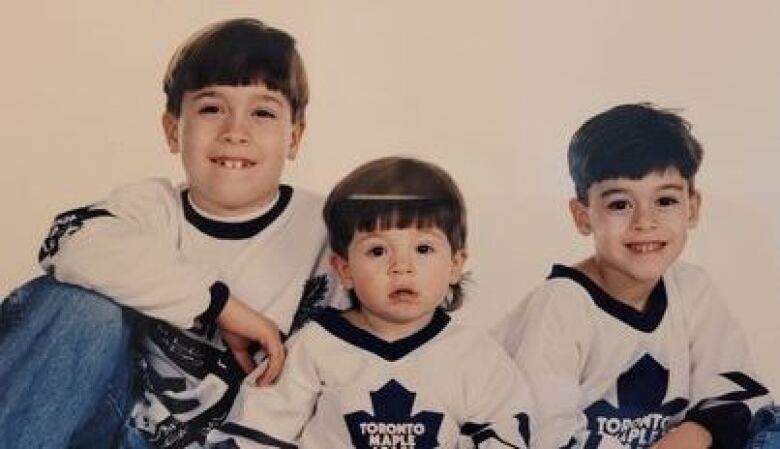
x: 445, y: 386
x: 608, y: 376
x: 149, y: 248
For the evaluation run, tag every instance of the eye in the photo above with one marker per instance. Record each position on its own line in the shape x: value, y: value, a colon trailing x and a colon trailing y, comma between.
x: 424, y: 248
x: 208, y: 109
x: 375, y: 251
x: 264, y: 113
x: 666, y: 201
x: 618, y: 205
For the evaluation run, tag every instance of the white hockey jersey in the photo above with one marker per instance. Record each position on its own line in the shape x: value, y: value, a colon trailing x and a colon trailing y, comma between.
x: 148, y: 248
x: 443, y: 387
x: 608, y: 376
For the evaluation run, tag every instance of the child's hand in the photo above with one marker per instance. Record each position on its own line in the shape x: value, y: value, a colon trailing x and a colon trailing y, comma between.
x: 688, y: 435
x: 241, y: 326
x: 239, y: 346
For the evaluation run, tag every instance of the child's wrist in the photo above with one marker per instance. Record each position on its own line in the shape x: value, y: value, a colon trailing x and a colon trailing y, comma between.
x: 702, y: 435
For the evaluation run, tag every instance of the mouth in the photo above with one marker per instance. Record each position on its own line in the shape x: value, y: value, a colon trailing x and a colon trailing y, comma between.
x: 403, y: 295
x: 232, y: 163
x: 645, y: 247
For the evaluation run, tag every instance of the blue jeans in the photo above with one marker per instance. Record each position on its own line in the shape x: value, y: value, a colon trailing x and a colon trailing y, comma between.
x: 65, y: 367
x: 765, y: 429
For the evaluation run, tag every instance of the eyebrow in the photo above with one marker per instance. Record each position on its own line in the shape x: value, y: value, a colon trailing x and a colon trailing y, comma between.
x: 204, y: 93
x: 672, y: 186
x: 214, y: 93
x: 669, y: 186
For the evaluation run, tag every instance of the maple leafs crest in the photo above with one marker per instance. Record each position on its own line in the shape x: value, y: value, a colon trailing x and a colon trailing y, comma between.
x: 393, y: 425
x: 640, y: 417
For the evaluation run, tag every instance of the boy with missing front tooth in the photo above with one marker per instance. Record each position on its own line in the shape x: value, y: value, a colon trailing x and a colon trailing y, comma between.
x: 631, y: 348
x: 393, y: 371
x: 217, y: 263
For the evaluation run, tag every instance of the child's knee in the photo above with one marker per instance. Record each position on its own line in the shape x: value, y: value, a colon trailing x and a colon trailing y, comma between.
x: 71, y: 313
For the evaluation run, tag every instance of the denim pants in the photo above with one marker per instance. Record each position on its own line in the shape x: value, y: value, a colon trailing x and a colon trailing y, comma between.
x: 65, y: 368
x: 765, y: 429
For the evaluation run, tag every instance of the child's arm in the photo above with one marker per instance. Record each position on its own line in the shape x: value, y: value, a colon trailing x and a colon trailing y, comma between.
x: 241, y: 326
x: 126, y: 248
x: 274, y: 416
x: 688, y: 435
x: 724, y: 391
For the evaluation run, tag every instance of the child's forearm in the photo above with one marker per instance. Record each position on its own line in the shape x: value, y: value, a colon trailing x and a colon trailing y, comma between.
x: 240, y: 320
x: 688, y: 435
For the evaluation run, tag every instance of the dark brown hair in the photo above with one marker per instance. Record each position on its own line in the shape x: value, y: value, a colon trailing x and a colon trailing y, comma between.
x: 238, y: 52
x: 631, y: 141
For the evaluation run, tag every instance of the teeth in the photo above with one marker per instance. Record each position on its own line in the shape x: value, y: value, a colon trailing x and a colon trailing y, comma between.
x: 645, y: 247
x: 232, y: 163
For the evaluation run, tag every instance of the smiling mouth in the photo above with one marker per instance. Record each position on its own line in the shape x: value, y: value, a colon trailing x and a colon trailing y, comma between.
x: 233, y: 163
x: 645, y: 247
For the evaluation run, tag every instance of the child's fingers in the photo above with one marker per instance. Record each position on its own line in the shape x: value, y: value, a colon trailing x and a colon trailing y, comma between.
x: 245, y: 361
x: 275, y: 363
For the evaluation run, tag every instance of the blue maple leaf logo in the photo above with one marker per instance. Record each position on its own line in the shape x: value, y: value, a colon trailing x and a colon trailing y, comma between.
x: 640, y: 417
x: 392, y: 425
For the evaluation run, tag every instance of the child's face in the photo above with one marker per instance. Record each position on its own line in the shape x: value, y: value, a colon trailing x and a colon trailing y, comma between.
x: 639, y: 226
x: 400, y: 275
x: 234, y: 141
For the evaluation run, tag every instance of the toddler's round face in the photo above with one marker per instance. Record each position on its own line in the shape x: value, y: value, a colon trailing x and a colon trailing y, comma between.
x: 400, y: 276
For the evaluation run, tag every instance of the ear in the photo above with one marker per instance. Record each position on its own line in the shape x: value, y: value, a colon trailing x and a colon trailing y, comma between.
x: 694, y: 205
x: 341, y: 265
x: 170, y: 124
x: 579, y: 213
x: 458, y: 260
x: 295, y: 140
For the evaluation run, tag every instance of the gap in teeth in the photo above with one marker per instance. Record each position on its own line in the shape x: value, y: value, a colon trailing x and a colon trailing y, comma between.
x: 232, y: 163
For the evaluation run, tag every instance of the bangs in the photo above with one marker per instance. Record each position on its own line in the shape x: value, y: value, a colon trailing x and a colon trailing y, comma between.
x: 635, y: 160
x: 230, y: 61
x: 357, y: 215
x: 383, y: 215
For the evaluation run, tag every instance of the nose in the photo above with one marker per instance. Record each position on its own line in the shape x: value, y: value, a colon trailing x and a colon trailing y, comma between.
x: 235, y: 131
x: 402, y: 263
x: 644, y: 217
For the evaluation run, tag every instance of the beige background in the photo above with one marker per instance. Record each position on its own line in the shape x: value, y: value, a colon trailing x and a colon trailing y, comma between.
x: 491, y: 90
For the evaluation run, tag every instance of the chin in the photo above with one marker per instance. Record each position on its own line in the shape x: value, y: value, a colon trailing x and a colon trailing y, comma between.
x: 647, y: 274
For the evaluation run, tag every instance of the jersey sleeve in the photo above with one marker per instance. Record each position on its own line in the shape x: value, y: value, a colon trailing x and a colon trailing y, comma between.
x: 725, y: 390
x: 125, y: 247
x: 274, y: 417
x: 546, y: 338
x: 500, y: 403
x: 322, y: 290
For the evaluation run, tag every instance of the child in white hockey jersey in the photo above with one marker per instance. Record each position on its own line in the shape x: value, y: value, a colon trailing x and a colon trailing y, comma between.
x: 393, y: 371
x: 219, y: 262
x: 631, y: 348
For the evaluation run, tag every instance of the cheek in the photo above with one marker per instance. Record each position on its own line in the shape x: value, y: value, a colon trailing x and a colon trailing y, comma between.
x: 608, y: 226
x: 365, y: 272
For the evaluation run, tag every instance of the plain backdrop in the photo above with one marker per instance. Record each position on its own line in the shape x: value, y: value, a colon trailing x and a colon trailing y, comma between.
x: 490, y: 90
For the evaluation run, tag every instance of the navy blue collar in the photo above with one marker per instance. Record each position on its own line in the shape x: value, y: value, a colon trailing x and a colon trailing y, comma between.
x: 333, y: 321
x: 240, y: 230
x: 645, y: 321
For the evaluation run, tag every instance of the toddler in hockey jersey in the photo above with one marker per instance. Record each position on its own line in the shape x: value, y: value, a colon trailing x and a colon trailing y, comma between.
x: 219, y: 262
x: 631, y: 348
x: 393, y: 371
